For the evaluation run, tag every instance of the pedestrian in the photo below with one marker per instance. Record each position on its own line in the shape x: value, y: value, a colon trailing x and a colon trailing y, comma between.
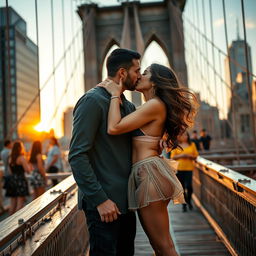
x: 38, y: 176
x: 169, y: 110
x: 196, y: 140
x: 5, y: 154
x: 17, y: 185
x: 53, y: 161
x: 205, y: 139
x: 185, y: 156
x: 101, y: 163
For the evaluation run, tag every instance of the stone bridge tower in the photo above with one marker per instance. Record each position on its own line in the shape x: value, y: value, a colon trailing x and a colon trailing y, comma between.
x: 132, y: 25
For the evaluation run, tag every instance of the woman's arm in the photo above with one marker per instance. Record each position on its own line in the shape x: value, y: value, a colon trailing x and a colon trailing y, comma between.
x: 145, y: 114
x: 24, y: 164
x: 40, y: 164
x: 179, y: 156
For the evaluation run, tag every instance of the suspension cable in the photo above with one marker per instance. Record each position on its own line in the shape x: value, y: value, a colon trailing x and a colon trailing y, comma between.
x: 45, y: 83
x: 212, y: 94
x: 242, y: 101
x: 213, y: 54
x: 7, y: 92
x: 37, y: 43
x: 53, y: 55
x: 216, y: 47
x: 231, y: 83
x: 64, y: 43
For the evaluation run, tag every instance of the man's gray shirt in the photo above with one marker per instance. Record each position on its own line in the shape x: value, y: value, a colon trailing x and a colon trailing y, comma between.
x: 5, y: 153
x: 101, y: 163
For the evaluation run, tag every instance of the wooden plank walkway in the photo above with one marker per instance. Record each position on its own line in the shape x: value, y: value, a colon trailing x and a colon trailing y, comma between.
x: 191, y: 233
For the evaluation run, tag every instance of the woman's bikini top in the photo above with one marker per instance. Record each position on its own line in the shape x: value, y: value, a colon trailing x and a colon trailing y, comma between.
x: 140, y: 135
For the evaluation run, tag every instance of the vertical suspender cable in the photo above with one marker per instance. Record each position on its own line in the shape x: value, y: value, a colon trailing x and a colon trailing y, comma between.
x: 7, y: 88
x: 248, y: 79
x: 74, y: 46
x: 231, y: 84
x: 53, y: 56
x: 222, y: 89
x: 64, y: 45
x: 199, y: 45
x: 213, y: 58
x: 37, y: 43
x: 206, y: 46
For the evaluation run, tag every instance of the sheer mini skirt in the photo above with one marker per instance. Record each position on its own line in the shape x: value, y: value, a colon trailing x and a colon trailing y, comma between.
x: 154, y: 179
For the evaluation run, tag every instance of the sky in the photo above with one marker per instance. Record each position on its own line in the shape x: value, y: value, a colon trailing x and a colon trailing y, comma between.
x: 194, y: 13
x: 67, y: 96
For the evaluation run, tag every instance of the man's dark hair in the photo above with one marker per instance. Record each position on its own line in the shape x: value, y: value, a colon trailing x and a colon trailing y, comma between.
x: 203, y: 130
x: 195, y: 131
x: 7, y: 143
x: 120, y: 58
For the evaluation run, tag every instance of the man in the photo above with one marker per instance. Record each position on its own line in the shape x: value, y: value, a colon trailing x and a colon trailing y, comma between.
x: 205, y: 139
x: 5, y: 153
x: 101, y: 163
x: 196, y: 140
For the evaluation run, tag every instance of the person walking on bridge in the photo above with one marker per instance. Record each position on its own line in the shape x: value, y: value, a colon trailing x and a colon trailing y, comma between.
x: 101, y: 163
x: 185, y: 156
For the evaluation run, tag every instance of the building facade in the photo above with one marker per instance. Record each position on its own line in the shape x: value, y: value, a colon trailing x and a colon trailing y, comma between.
x: 208, y: 118
x: 18, y: 78
x: 238, y: 98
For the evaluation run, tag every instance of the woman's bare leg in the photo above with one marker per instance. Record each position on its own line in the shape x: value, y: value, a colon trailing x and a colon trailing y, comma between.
x: 13, y: 205
x: 38, y: 192
x: 155, y: 222
x: 20, y: 203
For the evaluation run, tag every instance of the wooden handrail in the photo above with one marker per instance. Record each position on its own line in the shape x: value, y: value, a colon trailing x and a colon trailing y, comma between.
x: 36, y: 210
x: 229, y: 178
x: 217, y: 157
x: 225, y: 151
x: 242, y: 168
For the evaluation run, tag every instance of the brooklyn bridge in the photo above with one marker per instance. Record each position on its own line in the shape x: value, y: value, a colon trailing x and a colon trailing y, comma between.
x: 52, y: 52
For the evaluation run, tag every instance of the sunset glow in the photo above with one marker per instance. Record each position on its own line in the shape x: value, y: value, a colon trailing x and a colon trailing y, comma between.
x: 42, y: 127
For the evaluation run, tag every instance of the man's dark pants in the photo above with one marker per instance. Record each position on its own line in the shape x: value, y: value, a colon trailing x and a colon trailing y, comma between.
x: 111, y: 239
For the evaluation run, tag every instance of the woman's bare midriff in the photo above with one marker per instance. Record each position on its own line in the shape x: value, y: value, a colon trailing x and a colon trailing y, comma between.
x: 142, y: 150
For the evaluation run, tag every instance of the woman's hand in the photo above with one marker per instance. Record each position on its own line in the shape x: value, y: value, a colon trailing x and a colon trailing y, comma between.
x: 113, y: 88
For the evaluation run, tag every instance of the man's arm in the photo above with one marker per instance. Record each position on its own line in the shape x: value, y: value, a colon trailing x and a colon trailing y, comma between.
x: 87, y: 119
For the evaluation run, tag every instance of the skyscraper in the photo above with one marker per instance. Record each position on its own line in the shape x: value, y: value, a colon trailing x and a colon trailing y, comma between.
x: 238, y: 97
x: 18, y: 78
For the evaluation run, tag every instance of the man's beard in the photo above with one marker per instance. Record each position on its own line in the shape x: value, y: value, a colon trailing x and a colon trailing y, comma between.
x: 128, y: 84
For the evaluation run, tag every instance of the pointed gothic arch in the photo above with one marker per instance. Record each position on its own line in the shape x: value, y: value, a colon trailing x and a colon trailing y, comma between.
x: 155, y: 38
x: 132, y: 25
x: 112, y: 42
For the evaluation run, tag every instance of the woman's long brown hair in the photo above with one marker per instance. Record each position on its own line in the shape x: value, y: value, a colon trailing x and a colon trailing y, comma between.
x: 35, y: 150
x: 17, y: 150
x: 181, y: 104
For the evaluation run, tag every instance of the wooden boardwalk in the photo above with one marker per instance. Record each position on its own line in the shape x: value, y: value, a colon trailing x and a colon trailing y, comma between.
x: 191, y: 233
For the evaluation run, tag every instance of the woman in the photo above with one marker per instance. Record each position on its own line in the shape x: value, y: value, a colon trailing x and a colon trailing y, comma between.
x: 185, y: 157
x: 38, y: 174
x: 53, y: 161
x: 17, y: 187
x: 168, y: 110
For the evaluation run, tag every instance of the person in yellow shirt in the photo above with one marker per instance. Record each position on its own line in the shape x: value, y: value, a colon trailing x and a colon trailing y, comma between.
x: 185, y: 156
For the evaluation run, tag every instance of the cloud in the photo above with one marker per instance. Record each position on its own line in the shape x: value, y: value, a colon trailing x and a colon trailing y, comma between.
x: 218, y: 22
x: 250, y: 24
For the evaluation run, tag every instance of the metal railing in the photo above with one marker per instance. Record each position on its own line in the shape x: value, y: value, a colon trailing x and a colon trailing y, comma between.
x: 49, y: 225
x: 228, y: 200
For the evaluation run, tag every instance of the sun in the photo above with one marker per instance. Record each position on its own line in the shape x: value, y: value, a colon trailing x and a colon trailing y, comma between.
x: 42, y: 127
